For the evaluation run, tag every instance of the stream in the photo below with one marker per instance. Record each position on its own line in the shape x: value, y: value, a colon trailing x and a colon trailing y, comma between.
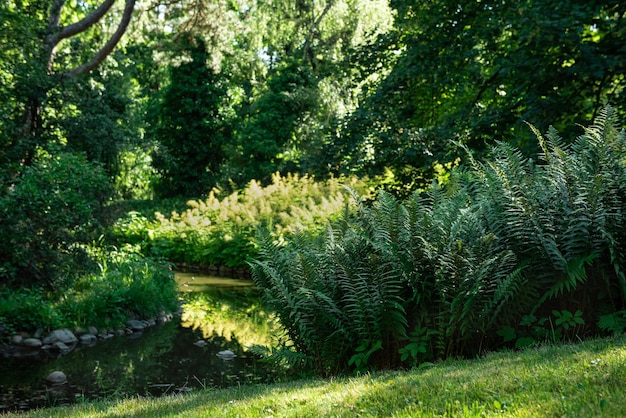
x: 179, y: 356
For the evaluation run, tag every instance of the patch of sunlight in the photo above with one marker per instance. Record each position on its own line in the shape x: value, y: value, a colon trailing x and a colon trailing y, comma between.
x: 192, y: 282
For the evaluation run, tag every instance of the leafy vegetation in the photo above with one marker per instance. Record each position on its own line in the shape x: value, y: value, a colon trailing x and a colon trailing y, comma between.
x: 512, y: 251
x: 514, y: 248
x: 221, y: 232
x: 475, y: 72
x: 585, y: 379
x: 191, y: 126
x: 127, y: 286
x: 48, y: 215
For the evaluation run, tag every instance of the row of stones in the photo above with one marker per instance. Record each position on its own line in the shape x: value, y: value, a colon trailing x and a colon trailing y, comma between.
x: 62, y: 341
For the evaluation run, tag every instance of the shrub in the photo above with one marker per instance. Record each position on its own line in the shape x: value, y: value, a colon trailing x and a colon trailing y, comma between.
x: 511, y: 248
x: 127, y: 286
x: 220, y: 231
x: 44, y: 215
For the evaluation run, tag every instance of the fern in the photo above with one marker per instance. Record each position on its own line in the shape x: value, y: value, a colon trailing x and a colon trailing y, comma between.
x: 505, y: 239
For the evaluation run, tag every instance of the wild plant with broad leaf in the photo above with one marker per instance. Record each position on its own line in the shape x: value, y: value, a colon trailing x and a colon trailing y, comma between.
x: 451, y: 271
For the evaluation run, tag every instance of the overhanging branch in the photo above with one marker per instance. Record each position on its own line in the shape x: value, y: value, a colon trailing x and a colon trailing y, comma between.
x: 109, y: 46
x: 85, y: 23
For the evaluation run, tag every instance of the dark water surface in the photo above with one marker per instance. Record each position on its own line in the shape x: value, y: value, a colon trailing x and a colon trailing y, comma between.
x: 224, y: 313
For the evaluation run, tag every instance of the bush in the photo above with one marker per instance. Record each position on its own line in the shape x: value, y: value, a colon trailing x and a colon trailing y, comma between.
x: 44, y: 216
x: 511, y: 251
x: 221, y: 232
x: 127, y: 286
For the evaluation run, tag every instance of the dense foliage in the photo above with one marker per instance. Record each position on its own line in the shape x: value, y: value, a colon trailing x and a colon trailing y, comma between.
x: 226, y: 94
x: 126, y: 286
x: 191, y: 127
x: 47, y: 216
x: 220, y: 231
x: 513, y: 250
x: 475, y: 72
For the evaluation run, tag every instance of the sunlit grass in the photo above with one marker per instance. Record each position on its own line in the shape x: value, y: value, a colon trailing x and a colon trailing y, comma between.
x: 580, y: 380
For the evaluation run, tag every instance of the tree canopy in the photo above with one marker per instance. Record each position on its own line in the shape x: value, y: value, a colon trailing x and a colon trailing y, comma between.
x: 359, y: 86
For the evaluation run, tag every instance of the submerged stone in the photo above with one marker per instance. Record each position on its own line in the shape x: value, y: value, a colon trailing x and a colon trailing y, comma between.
x: 226, y: 355
x: 56, y: 378
x: 88, y: 338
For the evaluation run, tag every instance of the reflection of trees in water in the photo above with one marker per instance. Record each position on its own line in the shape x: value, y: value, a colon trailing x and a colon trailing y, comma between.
x: 162, y: 360
x: 119, y: 366
x: 229, y: 314
x: 123, y: 365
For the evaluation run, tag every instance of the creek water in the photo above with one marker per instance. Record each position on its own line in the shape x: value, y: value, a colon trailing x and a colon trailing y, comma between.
x: 179, y: 356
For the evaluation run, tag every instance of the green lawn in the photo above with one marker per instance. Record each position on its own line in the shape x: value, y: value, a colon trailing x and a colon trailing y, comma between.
x: 577, y: 380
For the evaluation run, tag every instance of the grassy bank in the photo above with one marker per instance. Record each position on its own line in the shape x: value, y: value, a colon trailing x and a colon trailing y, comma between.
x: 578, y: 380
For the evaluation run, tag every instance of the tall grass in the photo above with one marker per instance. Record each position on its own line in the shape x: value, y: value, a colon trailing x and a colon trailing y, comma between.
x: 126, y: 286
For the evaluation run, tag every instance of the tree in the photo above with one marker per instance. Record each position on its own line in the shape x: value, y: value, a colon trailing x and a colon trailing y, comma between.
x: 301, y: 82
x: 290, y: 96
x: 476, y: 71
x: 191, y: 124
x: 30, y: 58
x: 50, y: 198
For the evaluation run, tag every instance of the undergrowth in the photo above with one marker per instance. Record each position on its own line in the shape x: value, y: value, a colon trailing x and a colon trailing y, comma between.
x: 220, y: 230
x: 127, y: 286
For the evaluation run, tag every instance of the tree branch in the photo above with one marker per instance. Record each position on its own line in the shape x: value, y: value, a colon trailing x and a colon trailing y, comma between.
x: 313, y: 28
x: 51, y: 40
x: 109, y: 46
x: 85, y: 23
x: 55, y: 14
x: 56, y: 33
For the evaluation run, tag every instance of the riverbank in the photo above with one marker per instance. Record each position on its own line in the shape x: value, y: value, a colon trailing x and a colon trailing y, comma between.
x: 573, y: 380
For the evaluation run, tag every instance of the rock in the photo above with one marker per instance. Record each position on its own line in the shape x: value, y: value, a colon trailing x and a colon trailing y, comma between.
x: 226, y: 355
x: 38, y: 334
x: 32, y: 342
x: 163, y: 318
x: 88, y: 338
x: 56, y: 378
x: 92, y: 330
x: 64, y: 336
x: 151, y: 322
x: 78, y: 331
x: 200, y: 343
x: 136, y: 325
x: 135, y: 335
x: 61, y: 347
x: 17, y: 339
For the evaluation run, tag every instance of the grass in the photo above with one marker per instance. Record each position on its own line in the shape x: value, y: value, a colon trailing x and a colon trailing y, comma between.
x: 572, y: 380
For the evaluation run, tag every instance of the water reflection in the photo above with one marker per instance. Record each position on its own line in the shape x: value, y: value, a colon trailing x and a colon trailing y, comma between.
x: 192, y: 282
x: 232, y: 316
x: 226, y: 315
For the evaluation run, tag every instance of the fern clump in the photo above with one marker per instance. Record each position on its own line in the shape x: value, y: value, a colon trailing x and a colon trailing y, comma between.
x: 512, y: 250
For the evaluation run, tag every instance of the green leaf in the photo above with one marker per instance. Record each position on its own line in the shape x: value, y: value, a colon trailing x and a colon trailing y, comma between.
x: 524, y: 342
x: 508, y: 333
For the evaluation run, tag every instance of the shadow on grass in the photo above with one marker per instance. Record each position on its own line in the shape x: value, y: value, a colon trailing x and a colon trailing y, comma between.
x: 571, y: 380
